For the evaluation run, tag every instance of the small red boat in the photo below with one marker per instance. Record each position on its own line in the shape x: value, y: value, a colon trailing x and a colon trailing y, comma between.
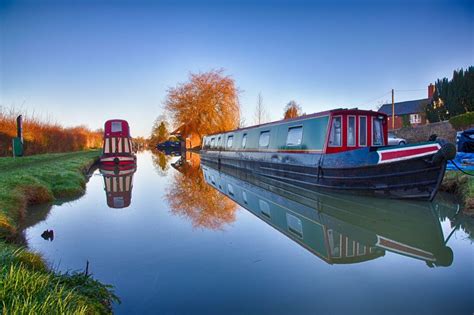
x: 117, y: 147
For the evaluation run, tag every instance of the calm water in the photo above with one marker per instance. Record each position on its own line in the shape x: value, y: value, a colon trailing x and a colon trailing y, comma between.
x: 196, y: 240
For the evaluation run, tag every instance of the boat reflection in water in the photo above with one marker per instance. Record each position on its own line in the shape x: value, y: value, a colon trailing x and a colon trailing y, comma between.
x: 118, y: 185
x: 339, y: 229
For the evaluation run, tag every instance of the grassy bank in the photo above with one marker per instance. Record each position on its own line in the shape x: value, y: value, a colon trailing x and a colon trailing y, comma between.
x: 463, y: 186
x: 27, y: 285
x: 38, y: 179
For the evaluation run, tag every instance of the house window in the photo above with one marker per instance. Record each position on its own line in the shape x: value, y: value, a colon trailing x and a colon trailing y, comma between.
x: 116, y: 126
x: 362, y: 131
x: 351, y: 131
x: 230, y: 139
x: 265, y: 208
x: 244, y: 141
x: 294, y: 225
x: 264, y: 140
x: 377, y: 135
x: 415, y: 119
x: 213, y: 142
x: 335, y: 136
x: 294, y: 137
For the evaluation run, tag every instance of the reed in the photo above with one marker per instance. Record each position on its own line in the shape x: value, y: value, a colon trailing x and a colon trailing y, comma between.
x: 27, y: 286
x: 44, y: 136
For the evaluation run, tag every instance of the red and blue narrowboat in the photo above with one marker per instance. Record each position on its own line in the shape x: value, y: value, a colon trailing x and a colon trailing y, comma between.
x: 341, y: 150
x: 117, y: 146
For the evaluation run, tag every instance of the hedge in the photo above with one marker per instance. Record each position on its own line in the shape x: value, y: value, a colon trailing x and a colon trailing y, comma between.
x: 462, y: 121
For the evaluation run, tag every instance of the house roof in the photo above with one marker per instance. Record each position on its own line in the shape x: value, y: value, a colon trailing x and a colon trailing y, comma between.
x: 404, y: 108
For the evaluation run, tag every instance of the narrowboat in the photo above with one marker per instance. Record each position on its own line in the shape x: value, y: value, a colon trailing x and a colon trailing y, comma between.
x: 117, y: 145
x: 342, y: 150
x: 337, y: 228
x: 118, y: 185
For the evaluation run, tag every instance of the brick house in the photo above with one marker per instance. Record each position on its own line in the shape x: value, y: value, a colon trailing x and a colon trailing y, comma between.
x: 410, y: 111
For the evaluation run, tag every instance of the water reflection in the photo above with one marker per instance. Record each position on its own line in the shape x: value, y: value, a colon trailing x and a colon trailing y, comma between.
x: 161, y: 162
x: 118, y: 185
x: 338, y: 229
x: 189, y: 196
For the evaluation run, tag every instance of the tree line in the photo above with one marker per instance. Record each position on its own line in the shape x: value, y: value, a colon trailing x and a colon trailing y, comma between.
x: 452, y: 97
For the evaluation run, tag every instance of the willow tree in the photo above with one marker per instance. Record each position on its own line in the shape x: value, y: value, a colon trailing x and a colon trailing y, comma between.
x: 206, y: 104
x: 292, y: 110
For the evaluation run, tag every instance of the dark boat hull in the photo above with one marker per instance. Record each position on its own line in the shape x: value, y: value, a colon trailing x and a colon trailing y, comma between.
x: 414, y: 178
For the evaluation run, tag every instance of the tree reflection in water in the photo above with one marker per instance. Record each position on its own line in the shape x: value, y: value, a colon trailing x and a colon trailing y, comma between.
x: 160, y: 162
x: 190, y: 197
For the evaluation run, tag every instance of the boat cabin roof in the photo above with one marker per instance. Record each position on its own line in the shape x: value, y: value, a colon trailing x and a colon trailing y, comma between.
x: 330, y: 132
x: 116, y: 128
x: 333, y: 112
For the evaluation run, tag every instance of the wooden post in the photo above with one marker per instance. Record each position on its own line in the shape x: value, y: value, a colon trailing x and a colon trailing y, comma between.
x: 393, y: 109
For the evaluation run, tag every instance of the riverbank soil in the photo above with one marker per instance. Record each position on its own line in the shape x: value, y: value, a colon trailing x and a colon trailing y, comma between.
x: 463, y: 186
x: 27, y: 285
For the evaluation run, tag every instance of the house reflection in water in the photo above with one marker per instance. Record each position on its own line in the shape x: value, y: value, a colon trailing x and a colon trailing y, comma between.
x: 339, y: 229
x: 118, y: 185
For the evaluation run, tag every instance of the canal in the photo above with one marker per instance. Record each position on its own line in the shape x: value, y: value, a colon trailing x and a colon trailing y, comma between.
x: 177, y: 237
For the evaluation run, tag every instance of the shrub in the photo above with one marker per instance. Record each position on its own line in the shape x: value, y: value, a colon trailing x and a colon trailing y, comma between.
x: 462, y: 121
x: 41, y: 136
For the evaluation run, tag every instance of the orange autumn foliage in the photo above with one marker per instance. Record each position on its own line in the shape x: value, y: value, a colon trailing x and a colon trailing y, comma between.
x: 292, y: 110
x: 44, y: 137
x: 189, y: 196
x: 207, y: 103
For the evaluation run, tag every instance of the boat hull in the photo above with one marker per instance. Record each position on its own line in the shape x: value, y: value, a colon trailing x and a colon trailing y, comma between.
x: 112, y: 161
x: 417, y: 177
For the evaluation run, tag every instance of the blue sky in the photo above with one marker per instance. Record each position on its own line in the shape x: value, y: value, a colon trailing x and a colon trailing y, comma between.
x: 83, y: 62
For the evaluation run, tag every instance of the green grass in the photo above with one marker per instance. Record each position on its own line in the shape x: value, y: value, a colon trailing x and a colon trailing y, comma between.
x: 28, y: 287
x: 462, y: 185
x: 39, y: 179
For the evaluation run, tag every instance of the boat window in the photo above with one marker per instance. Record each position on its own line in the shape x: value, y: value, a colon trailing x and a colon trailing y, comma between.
x: 335, y: 240
x: 377, y: 134
x: 230, y: 139
x: 350, y: 247
x: 244, y: 141
x: 219, y: 141
x: 362, y: 131
x: 118, y: 202
x: 116, y: 126
x: 244, y: 197
x: 264, y: 140
x: 294, y: 225
x: 230, y: 189
x: 213, y: 142
x: 265, y: 208
x: 351, y: 131
x: 295, y: 134
x: 335, y: 136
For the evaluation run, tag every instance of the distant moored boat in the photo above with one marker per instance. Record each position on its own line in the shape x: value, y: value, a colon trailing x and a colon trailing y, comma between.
x: 117, y: 146
x: 342, y: 150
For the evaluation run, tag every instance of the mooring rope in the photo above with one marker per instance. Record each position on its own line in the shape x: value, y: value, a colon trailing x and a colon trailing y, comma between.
x: 459, y: 168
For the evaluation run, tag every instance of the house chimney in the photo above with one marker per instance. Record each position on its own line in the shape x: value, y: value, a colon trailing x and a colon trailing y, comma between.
x: 431, y: 90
